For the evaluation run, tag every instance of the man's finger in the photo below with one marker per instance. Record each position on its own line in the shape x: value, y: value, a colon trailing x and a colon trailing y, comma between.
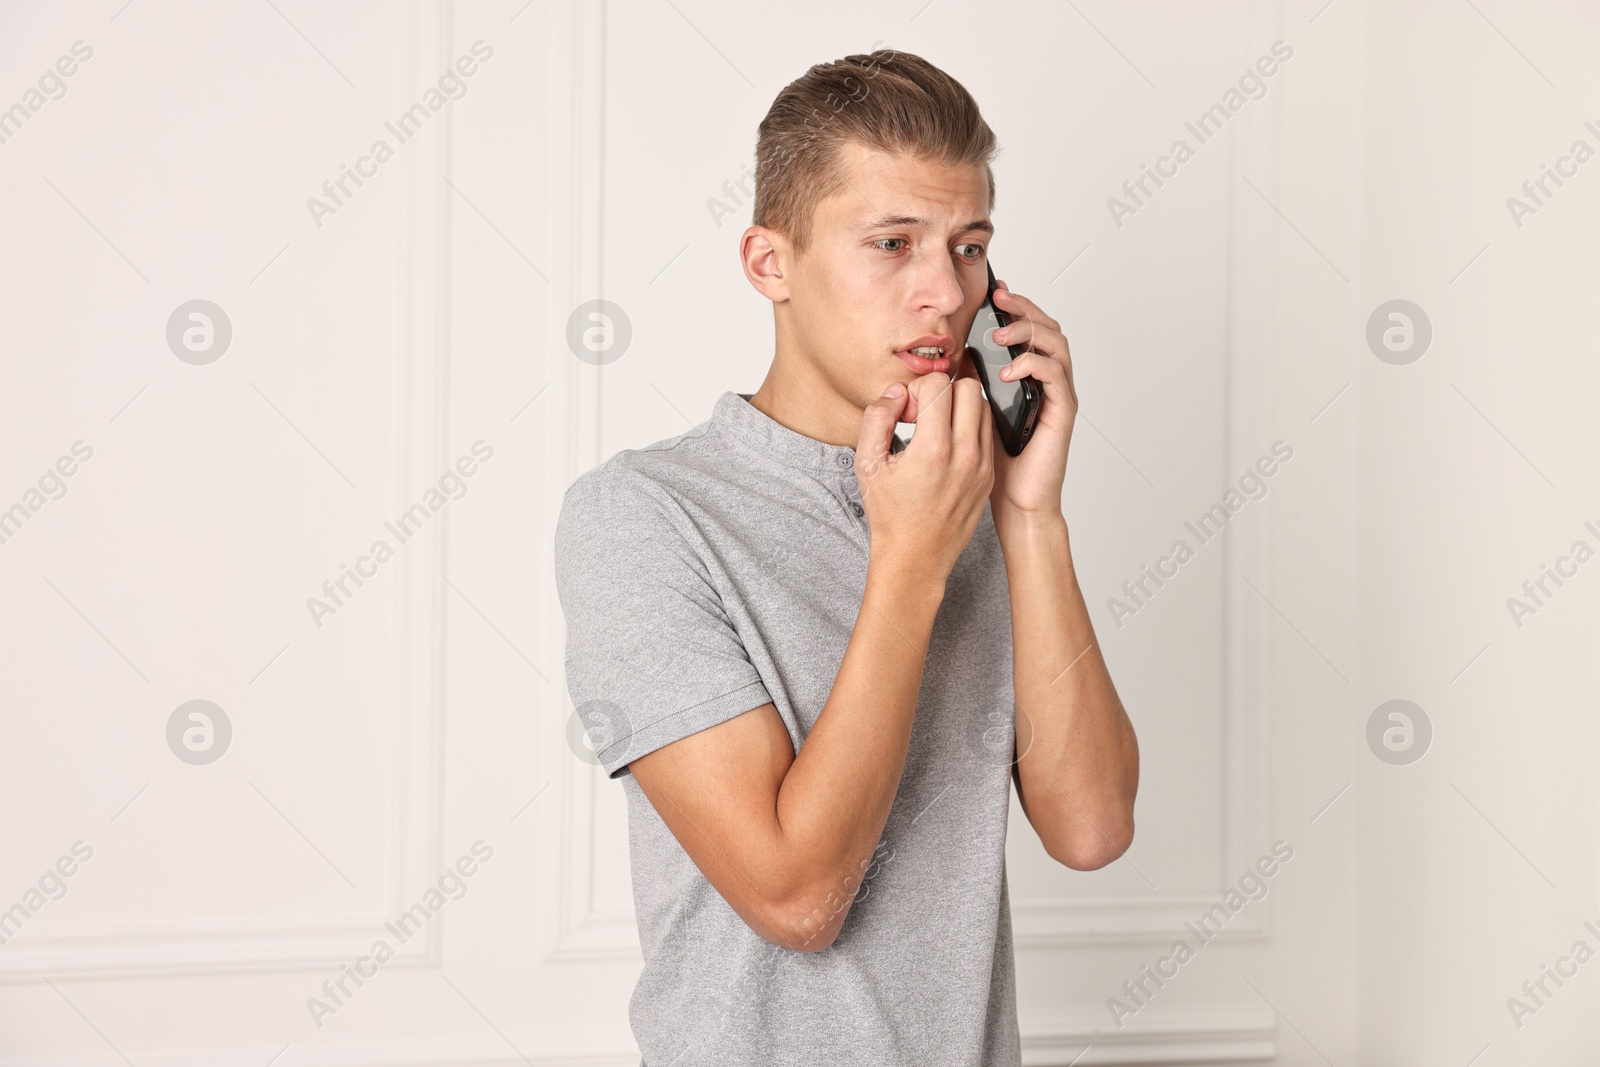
x: 986, y: 434
x: 877, y: 426
x: 1020, y: 307
x: 968, y: 414
x: 932, y: 399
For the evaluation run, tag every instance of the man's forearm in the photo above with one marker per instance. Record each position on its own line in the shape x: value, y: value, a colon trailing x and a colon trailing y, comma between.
x: 1080, y: 766
x: 836, y: 797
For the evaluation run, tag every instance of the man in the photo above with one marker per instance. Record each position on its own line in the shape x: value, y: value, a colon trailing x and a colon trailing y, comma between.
x: 816, y: 656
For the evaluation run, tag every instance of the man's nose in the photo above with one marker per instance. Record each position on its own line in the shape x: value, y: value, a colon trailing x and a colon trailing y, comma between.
x: 939, y: 286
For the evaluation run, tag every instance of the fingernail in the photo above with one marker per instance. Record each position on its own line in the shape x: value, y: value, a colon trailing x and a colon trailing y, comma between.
x: 895, y: 391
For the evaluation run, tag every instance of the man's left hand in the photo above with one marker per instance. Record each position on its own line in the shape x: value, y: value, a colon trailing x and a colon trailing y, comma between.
x: 1029, y: 484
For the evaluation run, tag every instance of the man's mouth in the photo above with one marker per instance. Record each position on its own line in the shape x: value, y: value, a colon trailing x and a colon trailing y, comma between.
x: 928, y: 355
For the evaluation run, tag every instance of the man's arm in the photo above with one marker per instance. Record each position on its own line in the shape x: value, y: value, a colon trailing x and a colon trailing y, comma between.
x: 1079, y: 769
x: 786, y: 838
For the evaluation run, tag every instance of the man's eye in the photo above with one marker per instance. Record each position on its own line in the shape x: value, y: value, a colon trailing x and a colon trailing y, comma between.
x: 973, y: 250
x: 890, y: 240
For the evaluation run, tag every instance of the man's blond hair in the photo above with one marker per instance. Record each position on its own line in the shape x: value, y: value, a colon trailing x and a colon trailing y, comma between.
x: 887, y: 100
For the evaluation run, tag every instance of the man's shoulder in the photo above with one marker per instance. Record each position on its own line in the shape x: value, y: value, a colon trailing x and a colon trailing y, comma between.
x: 653, y: 491
x: 653, y: 474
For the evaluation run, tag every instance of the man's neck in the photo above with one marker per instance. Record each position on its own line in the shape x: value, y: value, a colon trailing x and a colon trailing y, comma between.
x: 794, y: 397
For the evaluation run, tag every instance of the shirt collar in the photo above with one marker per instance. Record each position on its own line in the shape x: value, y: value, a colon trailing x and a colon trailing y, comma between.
x: 747, y: 423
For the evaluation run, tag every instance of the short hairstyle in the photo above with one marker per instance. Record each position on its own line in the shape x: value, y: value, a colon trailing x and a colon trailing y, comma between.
x: 887, y: 100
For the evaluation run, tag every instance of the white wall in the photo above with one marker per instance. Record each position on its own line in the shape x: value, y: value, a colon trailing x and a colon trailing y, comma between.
x: 1478, y: 863
x: 374, y: 346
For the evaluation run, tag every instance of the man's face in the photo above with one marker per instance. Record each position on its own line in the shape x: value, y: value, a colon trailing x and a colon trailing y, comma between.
x: 896, y: 261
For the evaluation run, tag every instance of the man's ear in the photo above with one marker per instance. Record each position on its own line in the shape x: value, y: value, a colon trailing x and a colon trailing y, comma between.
x: 764, y: 254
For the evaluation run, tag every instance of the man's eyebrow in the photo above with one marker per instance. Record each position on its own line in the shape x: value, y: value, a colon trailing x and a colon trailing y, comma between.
x: 883, y: 221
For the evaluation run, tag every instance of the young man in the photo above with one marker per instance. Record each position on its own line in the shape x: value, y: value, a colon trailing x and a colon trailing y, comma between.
x: 802, y: 644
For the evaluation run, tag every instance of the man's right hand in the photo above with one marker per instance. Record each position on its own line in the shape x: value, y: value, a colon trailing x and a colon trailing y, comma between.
x: 924, y: 503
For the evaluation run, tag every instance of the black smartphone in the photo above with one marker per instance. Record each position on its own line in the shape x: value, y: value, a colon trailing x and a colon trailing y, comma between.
x: 1015, y: 403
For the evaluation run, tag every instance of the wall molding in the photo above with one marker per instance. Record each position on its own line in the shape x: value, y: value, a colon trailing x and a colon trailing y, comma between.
x: 1232, y: 1033
x: 1039, y: 922
x: 1218, y: 1038
x: 571, y: 929
x: 1212, y: 1037
x: 420, y: 449
x: 1248, y: 552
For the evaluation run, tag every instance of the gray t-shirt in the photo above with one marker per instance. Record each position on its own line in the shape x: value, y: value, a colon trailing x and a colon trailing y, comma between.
x: 716, y: 571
